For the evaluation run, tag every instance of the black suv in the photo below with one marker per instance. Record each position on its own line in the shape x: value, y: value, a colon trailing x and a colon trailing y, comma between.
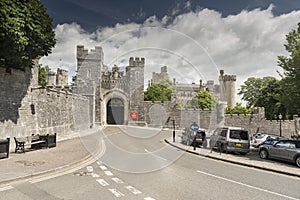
x: 189, y: 138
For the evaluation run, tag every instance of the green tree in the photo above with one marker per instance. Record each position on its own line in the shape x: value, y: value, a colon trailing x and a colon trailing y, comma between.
x: 239, y: 109
x: 25, y: 33
x: 263, y: 92
x: 160, y: 91
x: 42, y: 75
x: 291, y: 72
x: 203, y: 100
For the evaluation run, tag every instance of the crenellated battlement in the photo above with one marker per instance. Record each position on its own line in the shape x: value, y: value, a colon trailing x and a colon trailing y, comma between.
x: 229, y: 78
x: 136, y: 62
x: 83, y: 53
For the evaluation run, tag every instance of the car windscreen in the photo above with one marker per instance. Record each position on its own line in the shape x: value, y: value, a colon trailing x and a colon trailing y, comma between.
x: 238, y: 134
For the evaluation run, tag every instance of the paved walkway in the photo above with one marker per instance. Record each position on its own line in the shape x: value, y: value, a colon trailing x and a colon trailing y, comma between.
x: 252, y: 159
x: 69, y: 151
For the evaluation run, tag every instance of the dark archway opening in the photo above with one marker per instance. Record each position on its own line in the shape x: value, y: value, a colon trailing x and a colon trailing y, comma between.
x: 115, y: 111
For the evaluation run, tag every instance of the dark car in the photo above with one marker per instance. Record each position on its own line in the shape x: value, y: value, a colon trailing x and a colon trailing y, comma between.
x: 286, y: 150
x: 189, y: 138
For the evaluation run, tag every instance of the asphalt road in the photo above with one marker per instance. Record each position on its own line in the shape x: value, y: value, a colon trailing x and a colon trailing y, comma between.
x: 137, y: 164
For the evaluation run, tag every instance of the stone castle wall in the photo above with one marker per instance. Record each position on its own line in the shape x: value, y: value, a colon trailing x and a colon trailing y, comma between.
x: 27, y: 109
x: 256, y: 123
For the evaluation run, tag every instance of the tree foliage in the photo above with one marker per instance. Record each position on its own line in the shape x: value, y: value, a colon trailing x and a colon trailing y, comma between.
x: 160, y: 91
x: 25, y: 33
x: 291, y: 72
x: 42, y: 75
x: 203, y: 100
x: 263, y: 92
x: 239, y: 109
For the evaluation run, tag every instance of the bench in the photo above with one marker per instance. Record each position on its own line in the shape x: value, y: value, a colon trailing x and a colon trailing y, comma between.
x: 32, y: 141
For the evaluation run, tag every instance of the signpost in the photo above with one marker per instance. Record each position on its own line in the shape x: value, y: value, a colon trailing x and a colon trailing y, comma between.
x: 194, y: 127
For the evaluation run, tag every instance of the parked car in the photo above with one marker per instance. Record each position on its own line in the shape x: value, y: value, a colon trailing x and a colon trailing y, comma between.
x: 260, y: 138
x: 272, y: 141
x: 287, y: 150
x: 189, y: 138
x: 231, y: 139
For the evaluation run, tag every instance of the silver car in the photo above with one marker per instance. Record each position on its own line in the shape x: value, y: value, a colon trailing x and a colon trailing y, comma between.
x: 287, y: 150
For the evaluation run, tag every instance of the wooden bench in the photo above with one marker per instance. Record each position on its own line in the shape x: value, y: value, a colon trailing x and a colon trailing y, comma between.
x: 22, y: 142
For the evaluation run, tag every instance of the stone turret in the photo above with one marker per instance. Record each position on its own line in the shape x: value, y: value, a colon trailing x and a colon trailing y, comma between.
x: 135, y: 87
x: 89, y: 68
x: 227, y: 88
x: 62, y: 77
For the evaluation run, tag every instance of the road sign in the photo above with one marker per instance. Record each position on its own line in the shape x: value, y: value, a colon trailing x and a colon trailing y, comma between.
x: 194, y: 127
x: 134, y: 115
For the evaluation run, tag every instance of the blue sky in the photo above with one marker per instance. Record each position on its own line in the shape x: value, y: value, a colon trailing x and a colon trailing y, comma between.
x: 194, y: 38
x: 92, y: 14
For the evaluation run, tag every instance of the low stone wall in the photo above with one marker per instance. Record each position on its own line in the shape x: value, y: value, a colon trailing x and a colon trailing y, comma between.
x: 257, y: 123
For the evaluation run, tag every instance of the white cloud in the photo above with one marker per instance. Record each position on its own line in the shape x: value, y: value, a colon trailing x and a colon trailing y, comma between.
x: 195, y: 45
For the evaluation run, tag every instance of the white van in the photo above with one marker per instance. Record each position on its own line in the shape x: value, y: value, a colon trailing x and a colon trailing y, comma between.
x: 231, y: 139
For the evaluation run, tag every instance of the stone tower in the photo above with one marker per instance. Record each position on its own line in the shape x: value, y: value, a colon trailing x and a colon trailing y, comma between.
x: 62, y: 77
x: 89, y: 67
x: 227, y: 88
x: 135, y: 87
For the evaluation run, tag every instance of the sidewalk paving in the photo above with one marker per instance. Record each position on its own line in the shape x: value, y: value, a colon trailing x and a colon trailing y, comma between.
x: 69, y: 151
x: 252, y: 159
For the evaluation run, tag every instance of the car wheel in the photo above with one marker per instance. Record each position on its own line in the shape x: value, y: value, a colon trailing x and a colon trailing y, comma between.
x: 263, y: 154
x: 298, y: 161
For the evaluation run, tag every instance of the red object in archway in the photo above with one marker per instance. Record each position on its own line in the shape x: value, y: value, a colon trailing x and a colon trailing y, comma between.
x: 134, y: 115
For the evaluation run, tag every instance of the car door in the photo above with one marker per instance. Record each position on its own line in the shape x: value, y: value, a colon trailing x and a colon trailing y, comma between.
x: 280, y: 150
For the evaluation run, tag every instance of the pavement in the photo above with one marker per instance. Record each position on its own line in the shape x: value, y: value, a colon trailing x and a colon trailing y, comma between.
x: 72, y: 152
x: 252, y: 159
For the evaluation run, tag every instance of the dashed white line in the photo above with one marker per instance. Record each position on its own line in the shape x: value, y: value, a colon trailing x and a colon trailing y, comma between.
x: 103, y: 167
x: 246, y: 185
x: 102, y: 182
x: 117, y: 180
x: 108, y: 173
x: 99, y: 163
x: 116, y: 192
x: 94, y: 175
x: 89, y: 168
x: 133, y: 190
x: 148, y: 198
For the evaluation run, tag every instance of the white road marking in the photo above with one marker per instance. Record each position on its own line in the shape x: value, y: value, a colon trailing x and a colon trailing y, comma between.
x: 108, y: 173
x: 9, y: 187
x: 117, y: 180
x: 60, y: 171
x: 155, y: 155
x: 102, y: 182
x: 246, y: 185
x: 116, y: 192
x: 103, y: 167
x: 133, y: 190
x: 89, y: 168
x: 148, y: 198
x: 99, y: 162
x: 94, y: 175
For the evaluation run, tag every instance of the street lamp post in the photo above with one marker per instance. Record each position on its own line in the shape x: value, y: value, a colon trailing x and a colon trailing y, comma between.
x: 280, y: 117
x: 173, y: 130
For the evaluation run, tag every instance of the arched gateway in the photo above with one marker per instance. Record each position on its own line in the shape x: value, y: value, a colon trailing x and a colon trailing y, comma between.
x: 113, y: 94
x: 115, y: 111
